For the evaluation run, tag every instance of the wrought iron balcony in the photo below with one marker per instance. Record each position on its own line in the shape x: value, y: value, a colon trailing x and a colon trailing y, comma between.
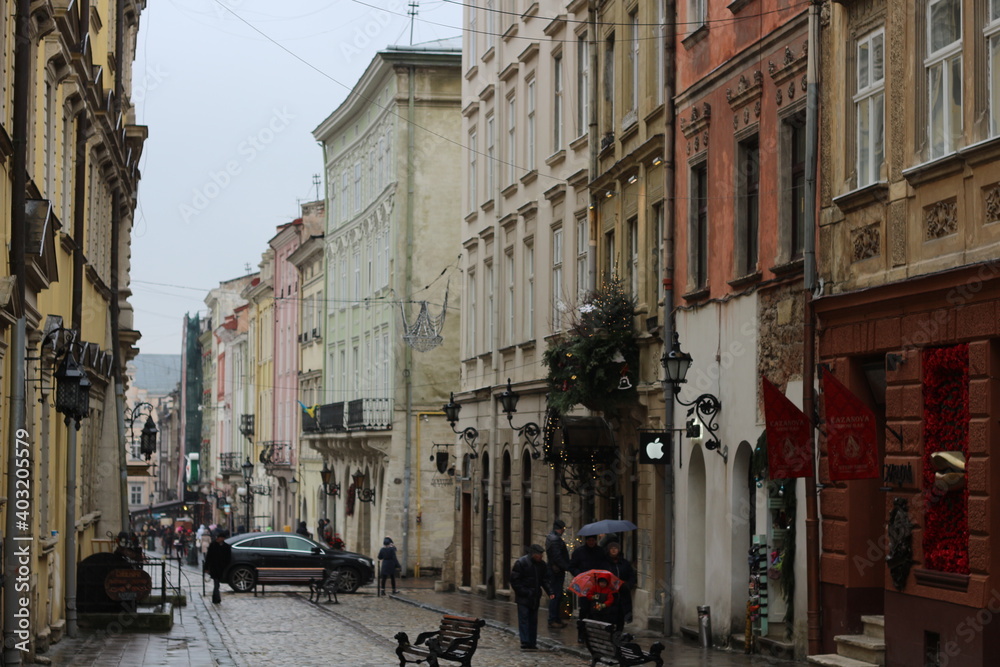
x: 331, y: 417
x: 276, y: 454
x: 369, y: 414
x: 229, y: 463
x: 310, y: 422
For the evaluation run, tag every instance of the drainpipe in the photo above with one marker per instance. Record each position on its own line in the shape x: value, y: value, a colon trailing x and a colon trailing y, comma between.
x: 594, y: 146
x: 669, y: 220
x: 17, y: 437
x: 809, y: 333
x: 116, y: 363
x: 407, y: 351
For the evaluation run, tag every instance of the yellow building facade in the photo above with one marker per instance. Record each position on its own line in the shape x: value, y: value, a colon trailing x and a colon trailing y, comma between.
x: 69, y: 154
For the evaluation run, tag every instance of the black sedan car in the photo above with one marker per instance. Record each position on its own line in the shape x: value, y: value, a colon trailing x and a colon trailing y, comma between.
x: 253, y: 550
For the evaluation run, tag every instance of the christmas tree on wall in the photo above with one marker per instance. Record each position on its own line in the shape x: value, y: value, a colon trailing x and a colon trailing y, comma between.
x: 597, y: 364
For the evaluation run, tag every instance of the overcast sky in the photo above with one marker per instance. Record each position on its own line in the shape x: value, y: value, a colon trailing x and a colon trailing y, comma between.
x: 231, y: 91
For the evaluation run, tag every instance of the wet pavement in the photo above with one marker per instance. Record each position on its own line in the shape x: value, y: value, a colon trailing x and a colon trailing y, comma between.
x: 284, y: 628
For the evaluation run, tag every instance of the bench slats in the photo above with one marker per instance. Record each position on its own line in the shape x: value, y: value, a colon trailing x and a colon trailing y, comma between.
x: 455, y: 640
x: 286, y: 575
x: 605, y: 643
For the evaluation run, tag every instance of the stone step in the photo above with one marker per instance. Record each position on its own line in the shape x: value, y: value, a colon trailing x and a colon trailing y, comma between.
x: 861, y: 647
x: 834, y: 660
x: 776, y: 648
x: 874, y: 626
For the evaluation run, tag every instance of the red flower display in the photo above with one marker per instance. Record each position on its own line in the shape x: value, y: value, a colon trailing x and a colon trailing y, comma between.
x: 946, y: 428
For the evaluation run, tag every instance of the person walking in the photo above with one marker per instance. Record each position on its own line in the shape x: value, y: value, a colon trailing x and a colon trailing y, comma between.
x: 587, y: 556
x: 558, y: 555
x: 619, y: 566
x: 529, y: 576
x: 217, y: 562
x: 387, y: 565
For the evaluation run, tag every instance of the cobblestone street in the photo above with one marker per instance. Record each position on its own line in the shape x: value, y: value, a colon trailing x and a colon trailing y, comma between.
x: 284, y: 628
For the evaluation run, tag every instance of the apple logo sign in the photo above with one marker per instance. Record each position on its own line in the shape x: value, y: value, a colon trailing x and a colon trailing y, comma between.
x: 654, y: 447
x: 654, y: 450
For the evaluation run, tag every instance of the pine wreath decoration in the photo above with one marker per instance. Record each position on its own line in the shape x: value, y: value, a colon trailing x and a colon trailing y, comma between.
x: 595, y: 365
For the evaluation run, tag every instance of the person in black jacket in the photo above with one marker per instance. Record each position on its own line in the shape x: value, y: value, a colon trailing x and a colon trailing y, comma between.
x: 619, y: 566
x: 528, y: 577
x: 588, y: 556
x: 387, y: 565
x: 217, y: 560
x: 558, y: 555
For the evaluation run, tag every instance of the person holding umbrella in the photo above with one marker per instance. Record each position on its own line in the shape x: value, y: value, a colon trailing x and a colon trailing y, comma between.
x: 586, y: 557
x: 529, y: 576
x: 618, y: 565
x: 600, y: 589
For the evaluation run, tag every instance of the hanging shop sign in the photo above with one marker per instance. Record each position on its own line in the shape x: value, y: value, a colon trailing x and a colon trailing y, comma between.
x: 655, y: 447
x: 789, y: 436
x: 851, y: 435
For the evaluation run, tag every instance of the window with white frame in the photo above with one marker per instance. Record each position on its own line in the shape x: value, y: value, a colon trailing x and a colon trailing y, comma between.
x: 511, y: 140
x: 381, y: 164
x: 633, y: 257
x: 473, y: 32
x: 389, y: 172
x: 356, y: 266
x: 698, y: 253
x: 510, y: 278
x: 371, y: 175
x: 491, y: 22
x: 491, y: 155
x: 344, y: 285
x: 944, y: 75
x: 473, y: 175
x: 357, y: 187
x: 869, y: 105
x: 470, y: 333
x: 557, y: 278
x: 698, y: 13
x: 529, y: 290
x: 582, y: 84
x: 489, y: 285
x: 356, y: 365
x: 135, y: 494
x: 611, y: 264
x: 345, y: 197
x: 582, y: 257
x: 608, y: 115
x: 531, y: 124
x: 992, y: 32
x: 557, y: 102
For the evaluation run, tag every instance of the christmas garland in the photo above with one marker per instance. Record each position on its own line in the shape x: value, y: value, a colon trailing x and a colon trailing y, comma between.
x: 597, y: 364
x: 946, y: 428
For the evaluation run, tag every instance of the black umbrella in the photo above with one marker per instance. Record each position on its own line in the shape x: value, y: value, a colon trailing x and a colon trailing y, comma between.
x: 606, y: 526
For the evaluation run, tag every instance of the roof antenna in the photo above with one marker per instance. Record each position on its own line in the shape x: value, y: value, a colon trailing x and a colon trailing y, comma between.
x: 414, y: 4
x: 316, y: 182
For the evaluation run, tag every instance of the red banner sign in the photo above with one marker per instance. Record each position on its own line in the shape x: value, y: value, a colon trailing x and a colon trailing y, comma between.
x: 789, y: 436
x: 851, y: 436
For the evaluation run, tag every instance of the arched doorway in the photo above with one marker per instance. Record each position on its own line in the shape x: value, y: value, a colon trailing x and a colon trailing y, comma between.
x: 484, y: 503
x: 525, y: 501
x: 697, y: 543
x: 507, y: 563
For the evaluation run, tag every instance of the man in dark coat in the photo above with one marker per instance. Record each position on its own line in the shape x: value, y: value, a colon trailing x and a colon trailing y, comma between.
x: 217, y: 562
x: 528, y: 577
x: 588, y: 556
x: 619, y: 566
x: 558, y: 555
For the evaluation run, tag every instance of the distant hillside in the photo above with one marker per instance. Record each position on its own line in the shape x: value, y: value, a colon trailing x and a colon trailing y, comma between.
x: 158, y: 374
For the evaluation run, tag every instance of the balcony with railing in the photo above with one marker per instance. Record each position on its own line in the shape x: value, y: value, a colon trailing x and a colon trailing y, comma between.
x: 276, y: 454
x: 230, y: 463
x: 369, y: 414
x: 363, y: 414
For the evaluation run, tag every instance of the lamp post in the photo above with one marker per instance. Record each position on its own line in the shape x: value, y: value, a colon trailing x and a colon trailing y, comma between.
x: 531, y: 430
x: 329, y: 488
x: 469, y: 433
x: 705, y: 407
x: 72, y: 400
x: 147, y: 437
x: 293, y: 487
x: 248, y: 497
x: 361, y: 493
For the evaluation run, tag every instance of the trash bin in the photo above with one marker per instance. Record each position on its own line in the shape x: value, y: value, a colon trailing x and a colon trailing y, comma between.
x: 705, y: 626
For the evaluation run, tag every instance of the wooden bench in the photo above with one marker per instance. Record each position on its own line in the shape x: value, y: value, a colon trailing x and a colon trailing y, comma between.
x: 330, y: 583
x: 608, y: 644
x: 455, y: 641
x: 286, y: 575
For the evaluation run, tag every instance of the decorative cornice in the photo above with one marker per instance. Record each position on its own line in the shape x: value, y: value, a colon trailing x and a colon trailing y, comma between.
x: 745, y: 90
x: 791, y: 65
x: 701, y: 117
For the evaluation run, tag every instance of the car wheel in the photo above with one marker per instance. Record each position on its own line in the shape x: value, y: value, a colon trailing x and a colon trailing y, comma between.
x: 242, y: 578
x: 350, y: 580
